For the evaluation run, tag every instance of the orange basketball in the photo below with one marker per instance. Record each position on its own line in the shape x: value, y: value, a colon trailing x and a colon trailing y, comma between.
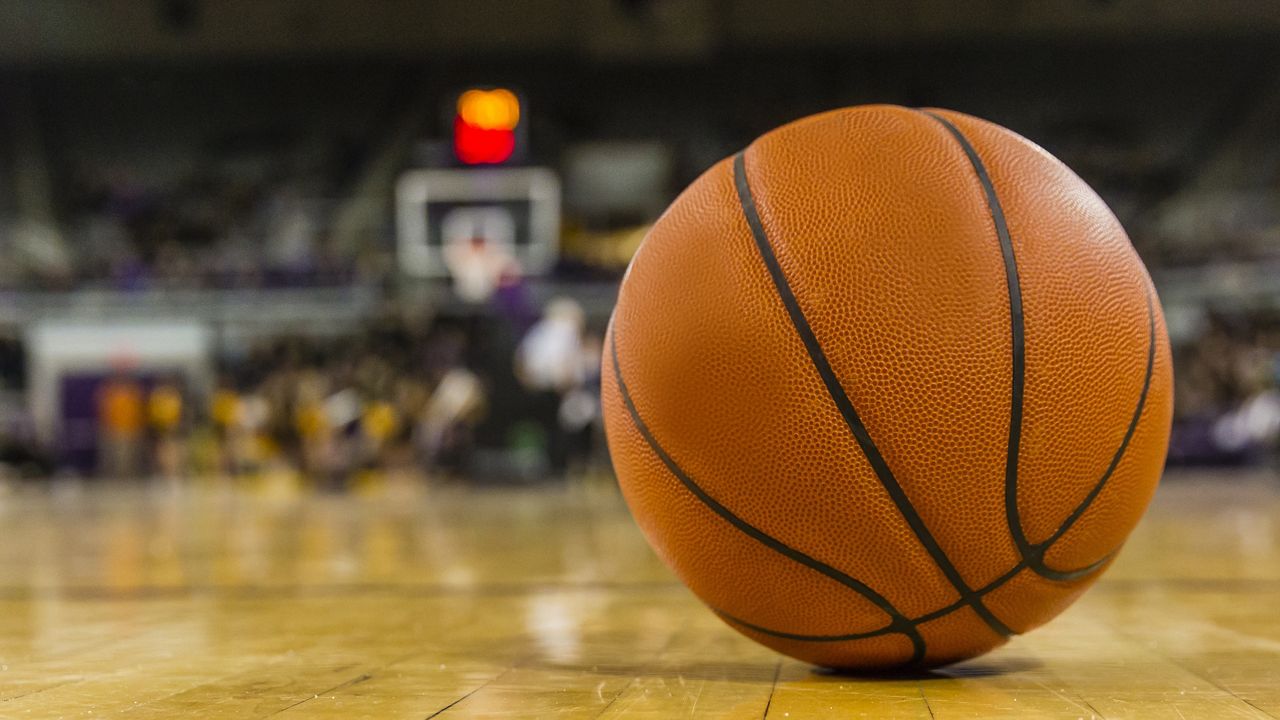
x: 887, y: 387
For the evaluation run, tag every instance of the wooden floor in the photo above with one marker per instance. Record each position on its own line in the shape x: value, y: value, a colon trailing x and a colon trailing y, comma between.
x: 403, y: 603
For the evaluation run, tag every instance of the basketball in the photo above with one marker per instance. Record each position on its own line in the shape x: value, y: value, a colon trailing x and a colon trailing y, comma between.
x: 887, y: 387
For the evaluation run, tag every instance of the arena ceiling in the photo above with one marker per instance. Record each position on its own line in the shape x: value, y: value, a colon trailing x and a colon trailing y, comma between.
x: 60, y: 30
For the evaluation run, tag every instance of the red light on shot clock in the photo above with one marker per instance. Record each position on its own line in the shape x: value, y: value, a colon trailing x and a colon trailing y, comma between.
x: 484, y: 129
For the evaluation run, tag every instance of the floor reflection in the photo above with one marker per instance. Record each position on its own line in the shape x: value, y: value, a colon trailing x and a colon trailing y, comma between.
x: 403, y: 600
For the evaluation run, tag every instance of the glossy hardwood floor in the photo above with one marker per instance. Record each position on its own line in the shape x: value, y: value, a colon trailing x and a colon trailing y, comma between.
x: 404, y: 602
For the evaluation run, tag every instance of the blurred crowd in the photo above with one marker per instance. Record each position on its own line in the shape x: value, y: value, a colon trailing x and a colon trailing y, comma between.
x: 211, y: 230
x: 503, y: 395
x: 395, y: 398
x: 1227, y: 391
x: 399, y: 398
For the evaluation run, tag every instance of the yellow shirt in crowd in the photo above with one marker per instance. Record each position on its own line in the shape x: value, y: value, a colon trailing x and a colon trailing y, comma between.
x: 165, y: 407
x: 120, y: 407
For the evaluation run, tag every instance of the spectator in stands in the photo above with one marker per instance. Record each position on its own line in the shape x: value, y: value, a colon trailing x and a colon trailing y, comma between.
x: 580, y: 409
x: 165, y: 415
x: 249, y: 442
x: 315, y: 432
x: 292, y: 235
x: 224, y: 406
x: 120, y: 425
x: 549, y: 365
x: 1227, y: 406
x: 379, y: 426
x: 447, y: 423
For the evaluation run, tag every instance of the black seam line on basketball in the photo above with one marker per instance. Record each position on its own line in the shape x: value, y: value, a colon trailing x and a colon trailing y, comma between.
x: 897, y: 619
x: 1033, y: 554
x: 927, y: 617
x: 878, y: 632
x: 916, y: 621
x: 1017, y: 336
x: 913, y: 661
x: 1038, y: 565
x: 990, y: 587
x: 836, y: 391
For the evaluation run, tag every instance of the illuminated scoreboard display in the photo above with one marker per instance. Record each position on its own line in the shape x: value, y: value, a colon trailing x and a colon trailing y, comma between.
x: 510, y: 210
x: 486, y: 125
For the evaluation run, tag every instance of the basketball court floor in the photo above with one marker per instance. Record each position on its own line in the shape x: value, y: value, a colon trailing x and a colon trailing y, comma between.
x: 399, y: 602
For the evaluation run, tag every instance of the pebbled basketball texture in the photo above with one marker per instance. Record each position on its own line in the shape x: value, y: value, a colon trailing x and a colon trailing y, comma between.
x: 887, y: 387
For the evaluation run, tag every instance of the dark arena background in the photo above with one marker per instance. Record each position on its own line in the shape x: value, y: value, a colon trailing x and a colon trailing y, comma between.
x: 302, y: 306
